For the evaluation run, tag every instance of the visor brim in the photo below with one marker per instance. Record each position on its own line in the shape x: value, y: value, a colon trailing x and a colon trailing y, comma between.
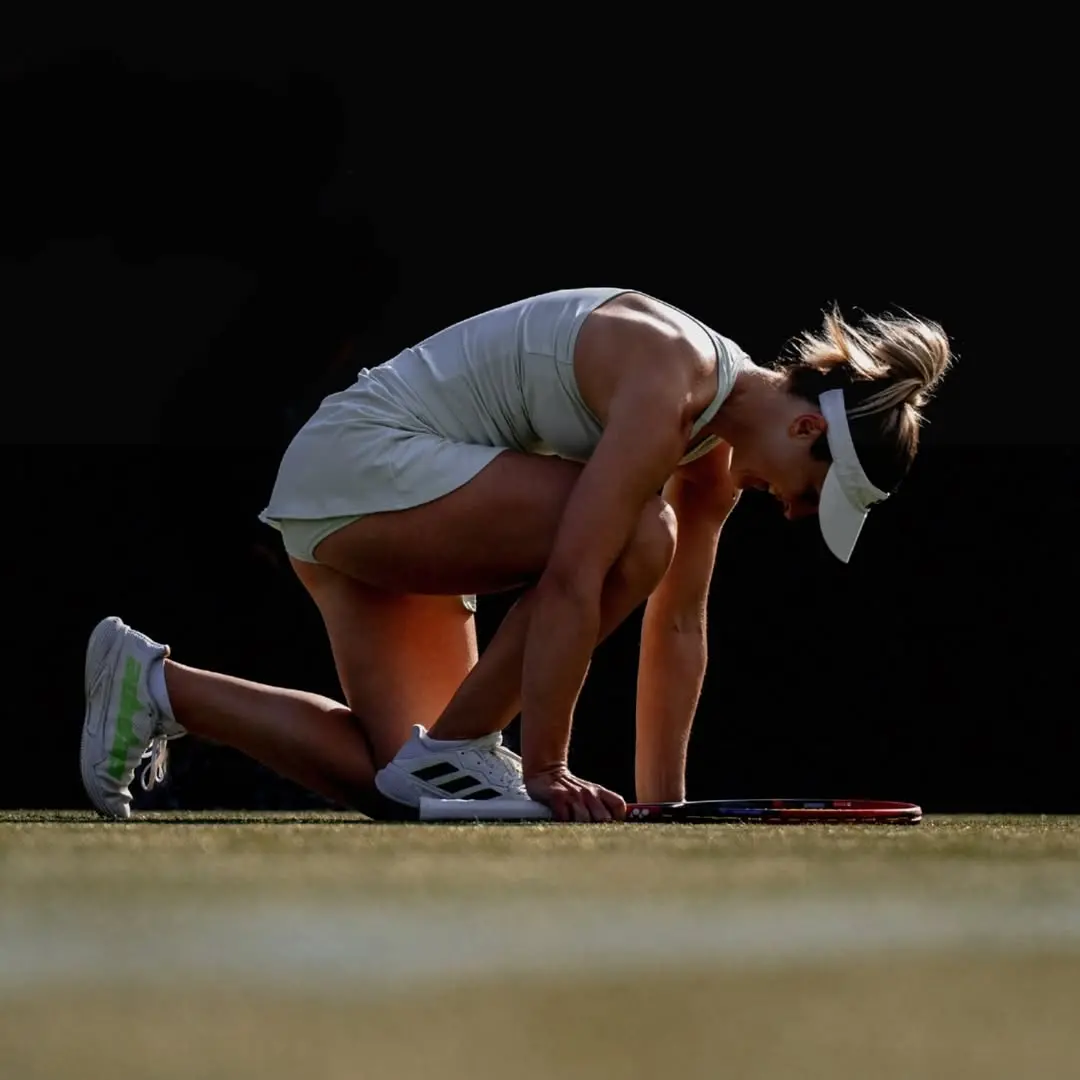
x: 840, y: 519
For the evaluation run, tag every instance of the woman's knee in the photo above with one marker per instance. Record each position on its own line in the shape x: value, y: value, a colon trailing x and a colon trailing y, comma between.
x: 648, y: 555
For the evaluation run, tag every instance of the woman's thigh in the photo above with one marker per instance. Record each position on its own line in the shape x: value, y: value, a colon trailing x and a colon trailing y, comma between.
x: 399, y: 657
x: 495, y: 532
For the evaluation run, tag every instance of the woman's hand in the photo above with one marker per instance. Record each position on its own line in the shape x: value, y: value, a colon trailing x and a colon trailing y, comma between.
x: 571, y: 799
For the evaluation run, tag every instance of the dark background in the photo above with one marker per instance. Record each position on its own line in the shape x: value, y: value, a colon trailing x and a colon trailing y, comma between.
x: 201, y: 238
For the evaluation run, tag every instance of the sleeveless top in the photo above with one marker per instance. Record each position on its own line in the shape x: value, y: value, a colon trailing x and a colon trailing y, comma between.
x: 506, y: 378
x: 426, y: 421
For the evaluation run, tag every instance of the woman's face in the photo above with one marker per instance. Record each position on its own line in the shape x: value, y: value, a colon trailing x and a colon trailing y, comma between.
x: 777, y: 459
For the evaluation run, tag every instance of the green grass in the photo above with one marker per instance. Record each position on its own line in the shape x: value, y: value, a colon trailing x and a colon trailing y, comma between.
x: 222, y: 945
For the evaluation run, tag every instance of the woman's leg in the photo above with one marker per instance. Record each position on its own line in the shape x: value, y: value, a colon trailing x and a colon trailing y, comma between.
x: 309, y: 739
x: 493, y: 533
x: 399, y: 660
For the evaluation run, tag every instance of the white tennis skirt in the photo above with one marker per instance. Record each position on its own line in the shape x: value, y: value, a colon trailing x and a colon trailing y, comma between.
x: 386, y: 468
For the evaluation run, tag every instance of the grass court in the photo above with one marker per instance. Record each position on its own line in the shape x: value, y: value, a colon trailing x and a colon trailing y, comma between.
x: 218, y: 945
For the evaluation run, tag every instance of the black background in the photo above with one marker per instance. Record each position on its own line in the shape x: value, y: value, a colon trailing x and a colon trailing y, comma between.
x: 204, y: 234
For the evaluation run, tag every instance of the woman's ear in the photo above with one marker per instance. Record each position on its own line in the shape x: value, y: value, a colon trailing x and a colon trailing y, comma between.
x: 807, y: 426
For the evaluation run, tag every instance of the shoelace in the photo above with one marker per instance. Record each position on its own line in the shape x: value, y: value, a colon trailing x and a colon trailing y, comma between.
x: 510, y: 762
x: 158, y: 753
x: 506, y: 752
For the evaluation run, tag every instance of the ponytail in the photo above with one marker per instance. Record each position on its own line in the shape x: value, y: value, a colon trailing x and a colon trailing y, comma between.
x: 888, y: 368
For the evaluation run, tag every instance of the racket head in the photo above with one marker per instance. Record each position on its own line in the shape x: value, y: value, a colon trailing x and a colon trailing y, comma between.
x: 779, y: 811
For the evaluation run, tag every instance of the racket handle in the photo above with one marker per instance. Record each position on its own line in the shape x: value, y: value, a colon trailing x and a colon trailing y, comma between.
x: 509, y: 809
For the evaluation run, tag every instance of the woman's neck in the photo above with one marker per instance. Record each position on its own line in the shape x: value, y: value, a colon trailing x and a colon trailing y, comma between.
x: 753, y: 399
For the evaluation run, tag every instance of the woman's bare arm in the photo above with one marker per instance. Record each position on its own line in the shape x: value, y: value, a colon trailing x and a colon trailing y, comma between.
x: 674, y: 645
x: 649, y: 419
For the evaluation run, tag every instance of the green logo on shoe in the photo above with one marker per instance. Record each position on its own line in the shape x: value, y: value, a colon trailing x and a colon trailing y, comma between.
x: 125, y: 733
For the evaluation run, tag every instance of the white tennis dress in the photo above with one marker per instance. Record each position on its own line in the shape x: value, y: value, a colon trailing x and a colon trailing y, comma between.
x: 426, y: 422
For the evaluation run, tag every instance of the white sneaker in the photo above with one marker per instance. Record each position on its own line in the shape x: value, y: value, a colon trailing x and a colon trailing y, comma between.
x: 470, y: 769
x: 122, y: 725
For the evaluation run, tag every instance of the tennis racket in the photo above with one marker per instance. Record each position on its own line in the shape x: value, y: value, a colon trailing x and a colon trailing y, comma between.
x: 700, y: 812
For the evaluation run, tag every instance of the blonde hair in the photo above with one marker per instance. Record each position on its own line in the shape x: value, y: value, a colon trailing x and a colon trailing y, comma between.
x: 889, y: 368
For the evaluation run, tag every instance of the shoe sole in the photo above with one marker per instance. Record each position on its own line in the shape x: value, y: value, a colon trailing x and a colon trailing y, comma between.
x: 98, y: 649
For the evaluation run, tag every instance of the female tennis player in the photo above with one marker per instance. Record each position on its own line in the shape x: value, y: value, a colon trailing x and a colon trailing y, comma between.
x: 587, y: 444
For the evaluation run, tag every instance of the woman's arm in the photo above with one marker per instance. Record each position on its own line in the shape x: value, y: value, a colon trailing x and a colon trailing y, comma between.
x: 674, y: 649
x: 647, y: 425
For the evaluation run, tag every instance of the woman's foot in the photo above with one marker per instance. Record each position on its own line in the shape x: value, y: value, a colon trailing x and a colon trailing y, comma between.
x: 462, y: 769
x: 123, y: 724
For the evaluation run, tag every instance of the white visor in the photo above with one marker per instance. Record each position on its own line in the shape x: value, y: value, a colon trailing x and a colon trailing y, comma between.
x: 847, y: 494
